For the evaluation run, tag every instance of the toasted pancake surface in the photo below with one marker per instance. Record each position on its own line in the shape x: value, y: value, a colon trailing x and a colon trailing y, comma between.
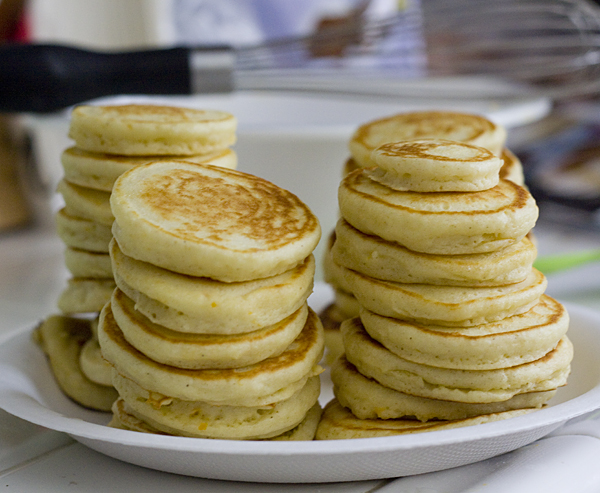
x: 444, y: 223
x: 151, y: 130
x: 211, y: 222
x: 462, y: 127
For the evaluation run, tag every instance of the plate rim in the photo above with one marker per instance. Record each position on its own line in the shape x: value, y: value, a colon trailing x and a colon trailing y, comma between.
x: 79, y: 428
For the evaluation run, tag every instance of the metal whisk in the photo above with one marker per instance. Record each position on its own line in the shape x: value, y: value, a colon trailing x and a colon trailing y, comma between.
x: 548, y: 46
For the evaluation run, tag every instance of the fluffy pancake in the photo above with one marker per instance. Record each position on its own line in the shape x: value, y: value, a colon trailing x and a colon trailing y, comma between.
x: 268, y: 381
x: 445, y: 223
x: 435, y: 166
x: 462, y: 127
x: 368, y: 399
x: 84, y: 234
x: 100, y: 171
x: 201, y: 351
x: 211, y: 222
x: 93, y: 365
x: 86, y: 203
x: 304, y: 431
x: 509, y: 342
x: 445, y: 305
x: 386, y: 260
x: 475, y: 386
x: 84, y: 263
x: 204, y: 420
x: 146, y: 130
x: 202, y: 305
x: 512, y: 169
x: 338, y: 423
x: 62, y: 338
x: 85, y: 295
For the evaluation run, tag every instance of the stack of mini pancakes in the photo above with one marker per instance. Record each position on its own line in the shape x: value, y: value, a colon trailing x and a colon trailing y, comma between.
x: 208, y: 332
x: 454, y: 327
x: 462, y: 127
x: 109, y: 141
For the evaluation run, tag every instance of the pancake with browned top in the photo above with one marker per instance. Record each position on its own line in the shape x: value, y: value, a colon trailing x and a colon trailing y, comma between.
x: 212, y: 222
x: 461, y: 127
x: 446, y: 223
x: 146, y: 130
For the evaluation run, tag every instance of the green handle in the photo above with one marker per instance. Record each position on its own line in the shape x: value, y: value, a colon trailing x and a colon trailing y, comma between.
x: 548, y: 264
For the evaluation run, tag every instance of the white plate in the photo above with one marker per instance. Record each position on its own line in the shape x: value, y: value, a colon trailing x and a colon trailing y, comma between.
x: 27, y: 390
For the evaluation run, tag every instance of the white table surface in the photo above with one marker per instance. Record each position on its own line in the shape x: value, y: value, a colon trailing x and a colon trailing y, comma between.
x: 34, y: 459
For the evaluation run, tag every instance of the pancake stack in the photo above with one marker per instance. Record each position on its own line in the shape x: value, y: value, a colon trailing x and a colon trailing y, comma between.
x: 109, y: 141
x: 461, y: 127
x: 209, y: 332
x: 454, y: 327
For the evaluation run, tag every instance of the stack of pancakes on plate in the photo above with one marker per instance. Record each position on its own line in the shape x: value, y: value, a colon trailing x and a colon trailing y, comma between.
x: 462, y: 127
x: 110, y: 140
x: 209, y: 332
x: 454, y: 327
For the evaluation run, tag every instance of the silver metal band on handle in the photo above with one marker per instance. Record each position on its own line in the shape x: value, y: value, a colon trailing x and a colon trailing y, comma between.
x: 211, y: 70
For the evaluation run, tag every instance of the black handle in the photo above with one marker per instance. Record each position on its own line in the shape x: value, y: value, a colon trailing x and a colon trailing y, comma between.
x: 43, y: 78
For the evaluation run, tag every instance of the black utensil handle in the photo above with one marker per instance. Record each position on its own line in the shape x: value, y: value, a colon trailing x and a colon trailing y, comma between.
x: 44, y: 78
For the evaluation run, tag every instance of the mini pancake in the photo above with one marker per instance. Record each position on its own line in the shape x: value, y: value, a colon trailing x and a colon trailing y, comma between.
x: 85, y: 295
x: 202, y: 420
x: 435, y: 166
x: 474, y: 386
x: 512, y: 169
x: 509, y: 342
x: 212, y: 222
x: 338, y: 423
x: 461, y: 127
x: 84, y: 263
x: 62, y: 338
x: 304, y: 431
x: 368, y: 399
x: 84, y: 234
x: 268, y: 381
x: 86, y: 203
x: 93, y: 365
x: 390, y: 261
x: 145, y: 130
x: 202, y: 305
x: 445, y: 223
x: 202, y: 351
x: 100, y: 171
x: 453, y: 306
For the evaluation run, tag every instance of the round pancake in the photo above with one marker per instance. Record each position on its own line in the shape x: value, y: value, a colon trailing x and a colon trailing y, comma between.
x: 445, y: 305
x: 509, y: 342
x: 85, y: 295
x: 84, y: 263
x: 82, y: 233
x: 338, y: 423
x: 446, y: 223
x: 368, y: 399
x: 145, y: 130
x: 435, y: 166
x: 86, y: 203
x: 212, y: 222
x: 202, y: 351
x: 390, y: 261
x: 203, y: 420
x: 263, y: 383
x: 100, y: 171
x: 202, y: 305
x: 92, y: 365
x: 475, y: 386
x: 461, y: 127
x: 512, y: 169
x: 304, y: 431
x: 62, y: 338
